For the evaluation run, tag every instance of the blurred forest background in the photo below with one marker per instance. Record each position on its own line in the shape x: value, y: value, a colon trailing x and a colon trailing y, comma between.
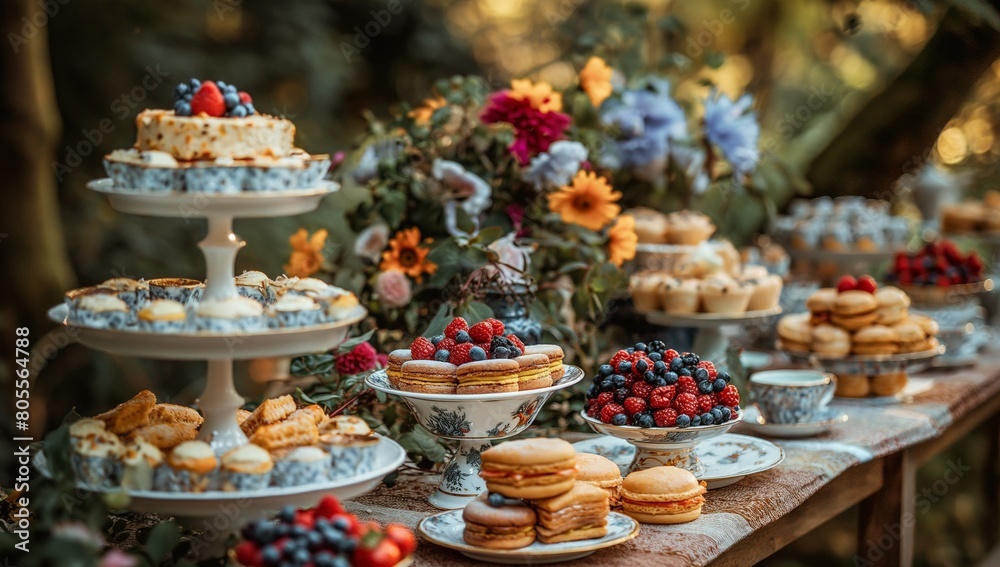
x: 852, y: 97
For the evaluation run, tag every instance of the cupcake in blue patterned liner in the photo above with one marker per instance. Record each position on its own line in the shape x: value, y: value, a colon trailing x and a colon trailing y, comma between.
x: 190, y: 467
x: 255, y: 285
x: 100, y: 311
x: 300, y: 465
x: 293, y: 311
x: 140, y: 460
x: 144, y: 171
x: 229, y: 315
x: 218, y: 177
x: 72, y: 297
x: 270, y: 176
x: 341, y: 305
x: 335, y: 302
x: 351, y: 443
x: 163, y: 316
x: 95, y: 454
x: 184, y: 290
x: 246, y: 468
x: 316, y: 169
x: 133, y: 292
x: 313, y: 287
x: 281, y: 285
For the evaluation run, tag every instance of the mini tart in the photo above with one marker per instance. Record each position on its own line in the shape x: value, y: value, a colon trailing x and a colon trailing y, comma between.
x: 428, y: 377
x: 529, y: 468
x: 579, y: 513
x: 511, y: 526
x: 95, y: 458
x: 102, y: 311
x: 688, y: 227
x: 282, y: 284
x: 351, y: 443
x: 162, y: 315
x: 247, y: 459
x: 101, y: 303
x: 193, y: 456
x: 105, y: 445
x: 662, y: 495
x: 394, y: 368
x: 488, y: 377
x: 555, y: 354
x: 299, y: 466
x: 533, y: 372
x: 876, y: 339
x: 86, y: 427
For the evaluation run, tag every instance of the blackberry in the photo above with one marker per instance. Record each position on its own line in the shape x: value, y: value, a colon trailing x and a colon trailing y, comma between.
x: 718, y: 385
x: 696, y: 421
x: 684, y: 371
x: 641, y: 366
x: 670, y: 378
x: 725, y: 376
x: 641, y: 347
x: 649, y: 376
x: 624, y: 367
x: 501, y: 352
x: 683, y: 420
x: 645, y: 420
x: 619, y: 419
x: 707, y: 419
x: 705, y: 387
x: 690, y: 362
x: 607, y: 385
x: 655, y: 356
x: 605, y: 370
x: 656, y: 346
x: 700, y: 374
x: 618, y: 380
x: 726, y: 414
x: 497, y: 342
x: 621, y: 394
x: 676, y: 364
x: 659, y: 367
x: 717, y: 415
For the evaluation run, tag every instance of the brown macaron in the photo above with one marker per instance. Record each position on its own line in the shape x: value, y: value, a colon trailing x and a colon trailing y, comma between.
x: 554, y: 353
x: 487, y: 376
x: 600, y: 472
x: 394, y: 368
x: 875, y: 339
x: 893, y: 305
x: 795, y: 332
x: 510, y: 526
x: 579, y: 513
x: 854, y: 309
x: 529, y: 468
x: 663, y: 495
x: 820, y: 304
x: 830, y: 339
x: 912, y: 337
x: 428, y: 377
x: 533, y: 372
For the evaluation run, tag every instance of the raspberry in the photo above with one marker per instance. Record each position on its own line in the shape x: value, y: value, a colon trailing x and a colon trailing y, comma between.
x: 593, y: 409
x: 517, y: 342
x: 484, y: 346
x: 629, y: 380
x: 641, y: 389
x: 710, y: 367
x: 457, y: 324
x: 666, y: 417
x: 460, y: 354
x: 705, y: 403
x: 662, y: 397
x: 634, y: 405
x: 481, y: 332
x: 611, y: 410
x: 605, y: 398
x: 687, y: 385
x: 730, y: 396
x: 446, y: 344
x: 620, y: 357
x: 422, y: 349
x: 669, y: 355
x: 497, y: 325
x: 686, y: 404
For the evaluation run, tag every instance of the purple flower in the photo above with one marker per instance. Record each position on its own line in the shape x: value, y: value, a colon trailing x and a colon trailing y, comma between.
x: 648, y: 121
x: 556, y: 167
x: 732, y: 127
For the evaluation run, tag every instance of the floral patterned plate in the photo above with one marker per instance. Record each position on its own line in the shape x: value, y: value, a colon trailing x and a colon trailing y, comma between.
x: 728, y: 458
x: 445, y: 529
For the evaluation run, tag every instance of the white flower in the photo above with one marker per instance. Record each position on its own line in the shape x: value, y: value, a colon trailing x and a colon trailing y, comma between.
x: 513, y: 261
x: 466, y: 190
x: 371, y: 242
x: 692, y: 162
x: 556, y: 167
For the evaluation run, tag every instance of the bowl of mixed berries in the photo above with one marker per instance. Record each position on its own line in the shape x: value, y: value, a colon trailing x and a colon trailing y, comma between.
x: 939, y: 273
x: 663, y: 402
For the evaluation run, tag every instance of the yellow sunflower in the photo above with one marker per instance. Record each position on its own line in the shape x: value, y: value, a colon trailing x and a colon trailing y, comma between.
x: 423, y: 114
x: 589, y: 201
x: 405, y: 254
x: 595, y: 80
x: 540, y: 94
x: 307, y: 253
x: 622, y: 240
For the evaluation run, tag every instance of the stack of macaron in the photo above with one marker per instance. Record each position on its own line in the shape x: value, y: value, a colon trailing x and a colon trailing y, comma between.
x: 477, y: 359
x: 534, y: 495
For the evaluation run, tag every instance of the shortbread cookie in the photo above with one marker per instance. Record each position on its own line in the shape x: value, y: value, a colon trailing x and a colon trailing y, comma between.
x: 271, y: 410
x: 312, y: 413
x: 174, y: 413
x: 286, y: 434
x: 165, y: 436
x: 242, y: 415
x: 129, y: 415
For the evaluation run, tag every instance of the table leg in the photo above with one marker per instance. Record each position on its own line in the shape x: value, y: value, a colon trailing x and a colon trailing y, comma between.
x: 885, y: 531
x: 991, y: 490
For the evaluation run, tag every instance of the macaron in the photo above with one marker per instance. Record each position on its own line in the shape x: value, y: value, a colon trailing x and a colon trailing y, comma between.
x: 795, y: 332
x: 875, y: 339
x: 428, y: 377
x: 533, y: 372
x: 912, y: 337
x: 854, y: 309
x: 394, y: 368
x: 579, y: 513
x: 487, y: 376
x: 662, y: 495
x: 893, y: 305
x: 529, y: 468
x: 555, y: 354
x: 830, y: 339
x: 930, y: 326
x: 511, y: 525
x: 601, y: 472
x: 820, y: 304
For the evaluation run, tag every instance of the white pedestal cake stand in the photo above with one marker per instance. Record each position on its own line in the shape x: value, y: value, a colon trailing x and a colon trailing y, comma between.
x: 710, y: 342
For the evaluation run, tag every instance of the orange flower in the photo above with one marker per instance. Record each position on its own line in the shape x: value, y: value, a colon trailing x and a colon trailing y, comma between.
x: 423, y: 114
x: 622, y: 240
x: 589, y: 201
x: 307, y: 253
x: 595, y: 80
x: 405, y: 254
x: 540, y: 95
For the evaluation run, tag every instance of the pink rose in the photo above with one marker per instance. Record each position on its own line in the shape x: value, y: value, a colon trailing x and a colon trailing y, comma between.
x: 393, y: 289
x: 117, y: 558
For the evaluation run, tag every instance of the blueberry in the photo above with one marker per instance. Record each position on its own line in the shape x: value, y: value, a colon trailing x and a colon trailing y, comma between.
x: 641, y: 347
x: 649, y: 376
x: 718, y: 385
x: 332, y: 538
x: 299, y: 531
x: 250, y: 109
x: 232, y: 100
x: 515, y: 352
x: 670, y: 378
x: 676, y: 364
x: 181, y: 90
x: 696, y: 421
x: 592, y: 391
x: 477, y: 353
x: 641, y: 366
x: 341, y: 524
x: 501, y: 352
x: 624, y: 367
x: 496, y: 499
x: 349, y: 545
x: 324, y: 559
x: 341, y: 561
x: 683, y: 420
x: 659, y: 367
x: 618, y: 380
x: 266, y: 533
x: 717, y: 415
x: 655, y: 356
x: 619, y: 419
x: 188, y: 97
x: 231, y: 89
x: 607, y: 385
x: 684, y: 372
x: 287, y: 514
x: 221, y: 85
x: 195, y: 84
x: 725, y: 376
x: 705, y: 387
x: 315, y: 540
x: 182, y: 108
x: 630, y: 350
x: 621, y: 394
x: 645, y: 420
x: 442, y: 355
x: 605, y: 370
x: 659, y: 382
x: 271, y: 556
x: 462, y: 337
x: 249, y: 531
x: 707, y: 419
x: 436, y: 339
x: 726, y: 414
x: 700, y: 374
x: 301, y: 556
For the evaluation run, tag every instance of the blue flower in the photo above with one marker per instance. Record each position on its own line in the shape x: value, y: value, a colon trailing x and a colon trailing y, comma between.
x: 462, y: 189
x: 732, y: 127
x: 648, y: 121
x: 556, y: 167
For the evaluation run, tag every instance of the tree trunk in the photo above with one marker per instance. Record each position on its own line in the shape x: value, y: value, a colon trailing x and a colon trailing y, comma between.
x: 33, y: 257
x: 895, y: 131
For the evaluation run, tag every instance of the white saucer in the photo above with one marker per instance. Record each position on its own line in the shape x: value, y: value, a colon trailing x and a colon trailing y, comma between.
x: 830, y: 417
x: 445, y: 529
x: 728, y: 458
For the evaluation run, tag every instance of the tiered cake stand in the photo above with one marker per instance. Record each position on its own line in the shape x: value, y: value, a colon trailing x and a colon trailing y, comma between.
x: 711, y: 342
x: 219, y: 401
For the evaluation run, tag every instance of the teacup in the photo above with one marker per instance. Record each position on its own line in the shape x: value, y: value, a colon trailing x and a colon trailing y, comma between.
x: 792, y: 396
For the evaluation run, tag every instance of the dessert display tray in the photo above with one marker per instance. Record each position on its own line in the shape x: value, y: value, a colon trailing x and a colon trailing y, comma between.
x: 709, y: 320
x: 870, y: 365
x: 445, y: 529
x: 203, y: 345
x: 194, y: 204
